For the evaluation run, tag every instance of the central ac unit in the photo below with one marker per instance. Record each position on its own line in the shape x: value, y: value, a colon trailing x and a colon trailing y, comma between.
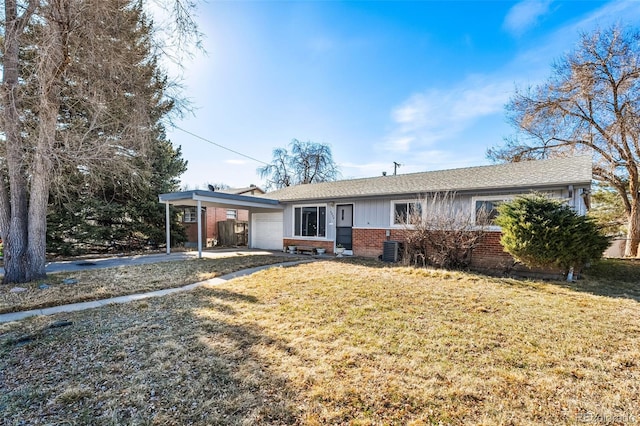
x: 390, y: 251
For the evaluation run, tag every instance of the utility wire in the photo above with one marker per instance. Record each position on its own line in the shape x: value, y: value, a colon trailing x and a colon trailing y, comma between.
x: 220, y: 146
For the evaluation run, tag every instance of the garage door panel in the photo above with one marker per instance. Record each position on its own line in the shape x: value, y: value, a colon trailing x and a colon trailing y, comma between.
x: 266, y: 230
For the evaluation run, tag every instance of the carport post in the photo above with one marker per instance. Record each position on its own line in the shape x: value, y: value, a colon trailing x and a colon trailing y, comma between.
x: 167, y: 226
x: 250, y: 236
x: 199, y: 208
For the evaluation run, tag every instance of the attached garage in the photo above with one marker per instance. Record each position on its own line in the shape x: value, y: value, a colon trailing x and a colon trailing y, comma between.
x: 266, y: 230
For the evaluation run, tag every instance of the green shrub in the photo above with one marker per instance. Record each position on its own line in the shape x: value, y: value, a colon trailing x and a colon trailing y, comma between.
x: 543, y: 232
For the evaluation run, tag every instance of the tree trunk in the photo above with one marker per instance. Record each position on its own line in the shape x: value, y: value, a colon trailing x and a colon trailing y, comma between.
x: 633, y: 237
x: 39, y: 197
x: 14, y: 203
x: 37, y: 245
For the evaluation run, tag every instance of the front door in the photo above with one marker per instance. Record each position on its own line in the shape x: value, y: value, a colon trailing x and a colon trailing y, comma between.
x: 344, y: 226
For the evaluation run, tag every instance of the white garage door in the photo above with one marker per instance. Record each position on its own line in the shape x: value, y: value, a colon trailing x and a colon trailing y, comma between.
x: 266, y: 231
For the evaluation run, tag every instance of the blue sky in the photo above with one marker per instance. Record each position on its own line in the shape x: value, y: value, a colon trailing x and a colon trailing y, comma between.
x: 420, y: 83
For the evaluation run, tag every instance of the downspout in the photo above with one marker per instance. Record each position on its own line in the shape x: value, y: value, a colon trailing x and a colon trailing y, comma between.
x: 570, y: 275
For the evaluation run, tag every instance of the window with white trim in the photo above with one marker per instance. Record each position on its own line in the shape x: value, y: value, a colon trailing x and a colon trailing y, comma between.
x: 232, y: 214
x: 189, y: 215
x: 310, y: 221
x: 405, y: 212
x: 485, y: 208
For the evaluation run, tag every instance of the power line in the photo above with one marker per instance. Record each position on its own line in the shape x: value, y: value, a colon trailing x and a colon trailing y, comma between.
x: 220, y: 146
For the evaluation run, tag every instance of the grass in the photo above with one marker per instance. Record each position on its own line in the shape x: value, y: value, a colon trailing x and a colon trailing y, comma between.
x: 333, y: 343
x: 110, y: 282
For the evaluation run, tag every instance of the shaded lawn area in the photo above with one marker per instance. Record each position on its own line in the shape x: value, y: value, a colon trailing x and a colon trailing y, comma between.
x: 612, y: 277
x: 333, y: 343
x: 103, y: 283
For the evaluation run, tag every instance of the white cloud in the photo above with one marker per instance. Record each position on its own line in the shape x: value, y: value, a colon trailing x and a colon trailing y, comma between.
x: 236, y: 162
x: 532, y: 66
x: 358, y: 170
x: 438, y: 114
x: 399, y: 143
x: 615, y: 12
x: 439, y: 159
x: 525, y: 15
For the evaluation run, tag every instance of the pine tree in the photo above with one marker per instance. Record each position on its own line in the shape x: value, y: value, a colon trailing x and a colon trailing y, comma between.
x: 80, y: 107
x: 539, y: 231
x: 120, y: 211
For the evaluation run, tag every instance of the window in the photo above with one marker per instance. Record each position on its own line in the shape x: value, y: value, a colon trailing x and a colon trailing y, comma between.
x: 485, y: 209
x: 189, y: 214
x: 405, y: 212
x: 310, y: 221
x: 486, y: 212
x: 232, y: 214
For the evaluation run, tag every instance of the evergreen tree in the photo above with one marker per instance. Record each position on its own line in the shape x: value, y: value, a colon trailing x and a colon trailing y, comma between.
x: 607, y: 209
x: 91, y: 209
x: 80, y: 104
x: 539, y: 231
x: 119, y: 216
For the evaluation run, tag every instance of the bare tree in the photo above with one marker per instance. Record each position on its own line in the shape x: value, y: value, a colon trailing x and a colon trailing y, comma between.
x: 62, y: 63
x: 591, y: 104
x: 441, y: 232
x: 308, y: 162
x: 278, y: 173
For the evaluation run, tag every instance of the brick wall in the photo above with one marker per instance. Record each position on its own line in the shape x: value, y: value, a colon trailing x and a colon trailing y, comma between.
x: 210, y: 224
x: 213, y: 215
x: 243, y: 215
x: 327, y: 245
x: 368, y: 242
x: 191, y: 229
x: 489, y: 253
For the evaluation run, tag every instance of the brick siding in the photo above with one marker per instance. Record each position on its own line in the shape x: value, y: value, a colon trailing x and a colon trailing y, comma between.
x: 488, y: 254
x: 368, y: 242
x: 210, y: 224
x: 327, y: 245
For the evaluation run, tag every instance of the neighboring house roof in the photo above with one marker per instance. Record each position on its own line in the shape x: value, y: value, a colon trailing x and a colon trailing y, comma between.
x: 249, y: 190
x: 529, y: 174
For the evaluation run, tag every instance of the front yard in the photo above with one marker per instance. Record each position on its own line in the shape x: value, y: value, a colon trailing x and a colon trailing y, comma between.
x: 111, y: 282
x: 334, y: 343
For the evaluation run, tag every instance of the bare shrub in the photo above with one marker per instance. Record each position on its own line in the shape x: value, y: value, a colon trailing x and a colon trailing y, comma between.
x: 441, y: 233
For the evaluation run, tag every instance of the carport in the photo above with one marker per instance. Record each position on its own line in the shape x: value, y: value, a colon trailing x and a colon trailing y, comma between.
x: 261, y: 211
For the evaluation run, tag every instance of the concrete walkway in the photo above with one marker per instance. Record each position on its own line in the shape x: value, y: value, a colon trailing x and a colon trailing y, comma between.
x: 16, y: 316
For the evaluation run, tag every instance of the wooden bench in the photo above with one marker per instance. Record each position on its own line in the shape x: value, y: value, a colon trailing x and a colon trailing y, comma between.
x: 306, y: 249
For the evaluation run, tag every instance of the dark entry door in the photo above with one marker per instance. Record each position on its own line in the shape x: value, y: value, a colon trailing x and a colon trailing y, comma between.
x: 344, y: 225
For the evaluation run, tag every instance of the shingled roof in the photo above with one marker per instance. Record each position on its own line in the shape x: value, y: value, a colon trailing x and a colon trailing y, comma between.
x: 528, y: 174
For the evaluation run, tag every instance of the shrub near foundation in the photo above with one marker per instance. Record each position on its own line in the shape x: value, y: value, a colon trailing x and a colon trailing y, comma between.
x: 438, y: 233
x: 543, y: 232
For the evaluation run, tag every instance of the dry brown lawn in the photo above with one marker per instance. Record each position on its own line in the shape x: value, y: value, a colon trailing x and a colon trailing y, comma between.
x: 99, y: 284
x: 333, y: 343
